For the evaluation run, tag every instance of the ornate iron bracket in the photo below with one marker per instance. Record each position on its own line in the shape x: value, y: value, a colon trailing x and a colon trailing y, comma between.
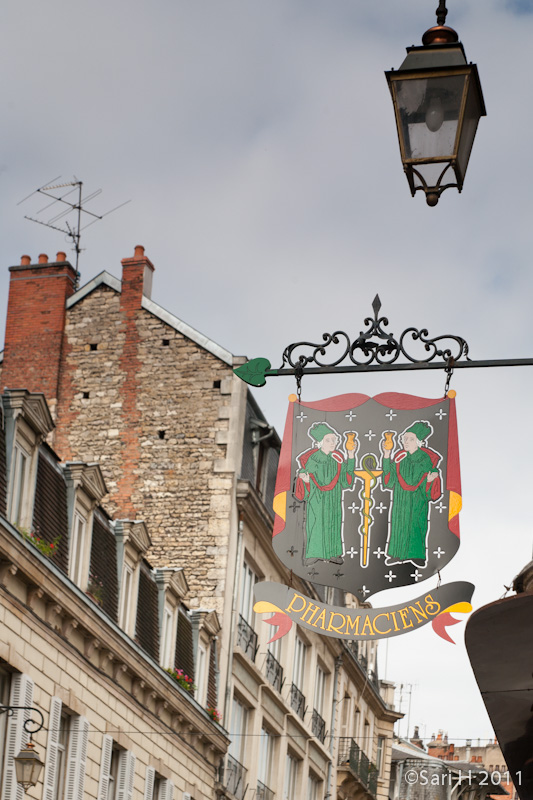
x: 30, y: 725
x: 373, y: 350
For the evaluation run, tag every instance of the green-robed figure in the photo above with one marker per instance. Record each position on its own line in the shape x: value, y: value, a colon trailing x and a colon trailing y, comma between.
x: 412, y: 477
x: 323, y: 476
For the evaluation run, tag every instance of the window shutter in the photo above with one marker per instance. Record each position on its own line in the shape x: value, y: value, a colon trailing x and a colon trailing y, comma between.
x: 50, y: 770
x: 77, y: 758
x: 149, y: 784
x: 103, y: 786
x: 166, y: 792
x: 126, y: 774
x: 16, y: 736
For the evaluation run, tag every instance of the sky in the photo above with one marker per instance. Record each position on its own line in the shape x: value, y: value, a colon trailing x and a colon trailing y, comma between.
x: 257, y: 145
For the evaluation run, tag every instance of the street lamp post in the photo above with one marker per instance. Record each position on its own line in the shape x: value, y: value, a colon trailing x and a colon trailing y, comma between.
x: 28, y: 765
x: 437, y: 102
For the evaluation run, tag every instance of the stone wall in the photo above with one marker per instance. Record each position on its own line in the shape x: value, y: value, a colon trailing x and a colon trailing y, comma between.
x: 150, y: 406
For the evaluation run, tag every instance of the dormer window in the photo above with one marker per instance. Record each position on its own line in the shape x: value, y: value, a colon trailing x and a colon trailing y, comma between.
x: 132, y: 543
x: 172, y: 589
x: 27, y: 422
x: 85, y: 489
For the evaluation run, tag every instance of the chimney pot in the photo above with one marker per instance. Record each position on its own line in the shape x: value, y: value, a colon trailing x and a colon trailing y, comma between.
x: 43, y: 258
x: 25, y: 261
x: 139, y: 251
x: 61, y: 256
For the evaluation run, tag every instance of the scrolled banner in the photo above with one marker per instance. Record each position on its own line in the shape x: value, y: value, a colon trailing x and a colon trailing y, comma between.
x: 360, y: 623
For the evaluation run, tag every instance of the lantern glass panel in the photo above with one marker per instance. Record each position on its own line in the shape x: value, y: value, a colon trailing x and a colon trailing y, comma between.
x: 429, y: 111
x: 473, y: 111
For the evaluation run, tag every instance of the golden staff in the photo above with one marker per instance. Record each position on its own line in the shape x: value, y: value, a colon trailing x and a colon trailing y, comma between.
x: 369, y: 475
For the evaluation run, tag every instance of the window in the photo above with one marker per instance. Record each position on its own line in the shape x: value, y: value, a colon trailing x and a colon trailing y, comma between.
x: 20, y: 694
x: 4, y: 700
x: 117, y: 771
x: 125, y: 597
x: 249, y: 579
x: 78, y: 550
x: 320, y: 685
x: 313, y: 788
x: 157, y: 787
x: 239, y: 726
x: 19, y: 483
x: 380, y: 754
x: 266, y: 753
x: 298, y: 672
x: 168, y: 637
x: 291, y: 772
x: 201, y: 674
x: 66, y: 754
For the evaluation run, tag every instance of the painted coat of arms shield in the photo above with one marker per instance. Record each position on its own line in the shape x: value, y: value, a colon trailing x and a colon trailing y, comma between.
x: 368, y: 490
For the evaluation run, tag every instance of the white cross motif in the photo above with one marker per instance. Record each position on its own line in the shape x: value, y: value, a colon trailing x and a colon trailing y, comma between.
x: 390, y: 576
x: 438, y: 552
x: 350, y: 416
x: 301, y: 416
x: 416, y: 575
x: 440, y: 414
x: 364, y: 591
x: 353, y: 508
x: 379, y: 552
x: 440, y: 507
x: 381, y: 508
x: 351, y: 552
x: 370, y: 435
x: 391, y: 414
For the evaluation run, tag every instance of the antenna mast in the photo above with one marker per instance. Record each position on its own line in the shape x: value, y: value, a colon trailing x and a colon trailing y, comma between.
x: 73, y: 228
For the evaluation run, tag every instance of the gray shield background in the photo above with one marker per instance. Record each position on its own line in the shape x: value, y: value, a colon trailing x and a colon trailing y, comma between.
x: 370, y: 421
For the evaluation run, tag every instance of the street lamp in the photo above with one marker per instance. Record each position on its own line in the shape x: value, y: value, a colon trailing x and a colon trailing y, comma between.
x: 28, y: 765
x: 437, y: 101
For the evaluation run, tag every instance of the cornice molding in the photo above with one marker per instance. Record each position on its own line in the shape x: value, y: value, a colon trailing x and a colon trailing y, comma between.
x: 32, y: 407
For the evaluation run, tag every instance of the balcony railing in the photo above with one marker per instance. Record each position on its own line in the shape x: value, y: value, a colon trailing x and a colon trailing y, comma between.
x: 235, y: 777
x: 318, y: 726
x: 350, y: 754
x: 274, y: 671
x: 297, y: 701
x: 247, y: 638
x: 263, y: 792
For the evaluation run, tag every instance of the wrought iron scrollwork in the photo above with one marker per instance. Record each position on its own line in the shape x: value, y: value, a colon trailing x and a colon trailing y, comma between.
x: 30, y: 725
x: 374, y: 346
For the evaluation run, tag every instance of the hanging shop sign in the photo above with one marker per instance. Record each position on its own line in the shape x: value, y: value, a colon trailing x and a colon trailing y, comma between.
x: 367, y: 498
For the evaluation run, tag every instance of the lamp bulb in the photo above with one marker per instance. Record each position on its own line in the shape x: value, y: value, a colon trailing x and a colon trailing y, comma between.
x: 434, y: 114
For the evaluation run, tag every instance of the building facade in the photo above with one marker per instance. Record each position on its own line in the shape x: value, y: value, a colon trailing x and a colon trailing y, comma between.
x: 181, y: 444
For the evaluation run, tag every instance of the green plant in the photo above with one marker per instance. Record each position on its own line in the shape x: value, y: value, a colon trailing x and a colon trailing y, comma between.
x: 214, y: 713
x: 95, y: 588
x: 48, y: 549
x: 180, y: 677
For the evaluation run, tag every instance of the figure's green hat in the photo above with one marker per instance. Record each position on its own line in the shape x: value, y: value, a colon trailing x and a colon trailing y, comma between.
x: 420, y: 429
x: 319, y: 430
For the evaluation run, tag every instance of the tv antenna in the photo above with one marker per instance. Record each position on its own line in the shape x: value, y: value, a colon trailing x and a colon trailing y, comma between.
x: 73, y: 226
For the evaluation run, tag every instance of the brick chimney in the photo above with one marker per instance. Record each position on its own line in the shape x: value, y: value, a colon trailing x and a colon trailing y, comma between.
x: 35, y: 323
x: 136, y: 279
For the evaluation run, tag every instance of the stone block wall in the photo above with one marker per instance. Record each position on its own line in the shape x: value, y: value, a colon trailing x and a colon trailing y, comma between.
x: 152, y: 408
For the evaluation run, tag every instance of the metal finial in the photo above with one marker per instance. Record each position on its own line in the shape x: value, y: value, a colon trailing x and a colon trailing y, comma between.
x: 441, y: 12
x: 376, y: 305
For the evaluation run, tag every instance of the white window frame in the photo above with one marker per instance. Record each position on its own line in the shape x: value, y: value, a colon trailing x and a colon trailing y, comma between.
x: 240, y: 715
x: 248, y: 581
x: 320, y: 690
x: 80, y: 549
x: 117, y: 772
x: 21, y: 694
x: 169, y: 627
x: 300, y: 657
x: 291, y: 776
x: 380, y: 753
x: 20, y: 485
x: 200, y: 673
x: 126, y: 594
x: 66, y: 755
x: 266, y: 757
x: 5, y: 684
x: 313, y: 788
